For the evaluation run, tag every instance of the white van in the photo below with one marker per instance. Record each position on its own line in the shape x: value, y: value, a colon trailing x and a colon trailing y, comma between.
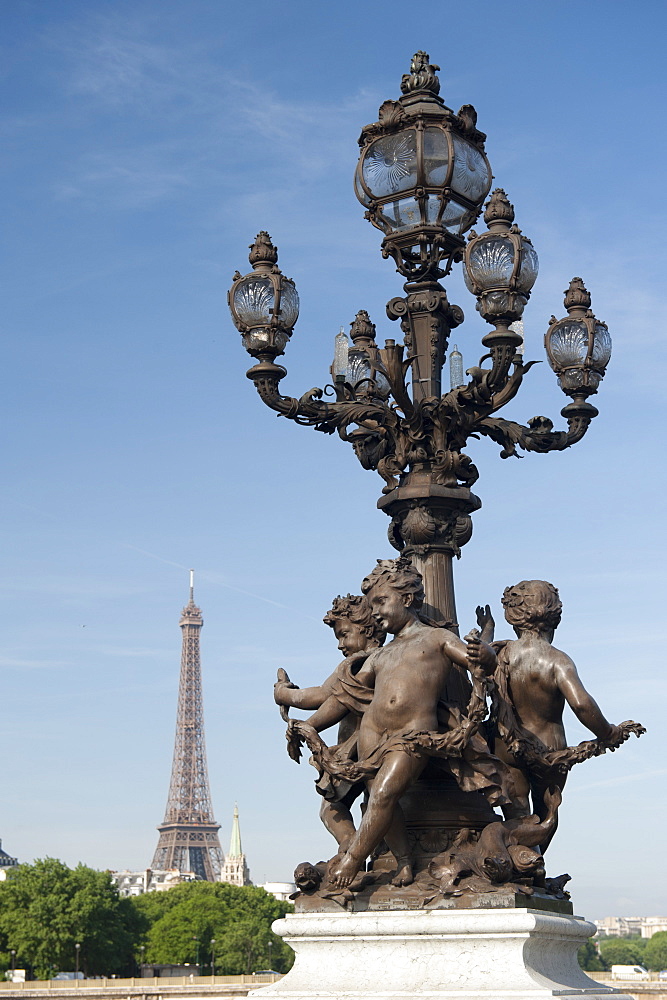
x: 629, y: 972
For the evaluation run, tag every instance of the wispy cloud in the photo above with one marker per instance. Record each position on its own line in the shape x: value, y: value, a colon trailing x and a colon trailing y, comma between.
x: 217, y: 578
x: 20, y: 663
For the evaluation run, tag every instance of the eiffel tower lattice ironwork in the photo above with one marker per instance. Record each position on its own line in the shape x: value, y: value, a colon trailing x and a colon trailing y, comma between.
x: 189, y: 834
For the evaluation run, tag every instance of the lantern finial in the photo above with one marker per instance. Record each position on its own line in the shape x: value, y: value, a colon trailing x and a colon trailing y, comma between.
x: 499, y: 209
x: 422, y: 75
x: 262, y: 251
x: 577, y: 296
x: 362, y: 331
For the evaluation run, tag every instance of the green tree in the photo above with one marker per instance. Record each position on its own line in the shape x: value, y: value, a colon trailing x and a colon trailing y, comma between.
x: 655, y: 952
x: 46, y: 908
x: 590, y: 959
x: 184, y: 920
x: 622, y: 951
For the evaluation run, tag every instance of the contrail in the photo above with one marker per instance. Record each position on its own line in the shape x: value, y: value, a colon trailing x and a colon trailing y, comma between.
x: 214, y: 578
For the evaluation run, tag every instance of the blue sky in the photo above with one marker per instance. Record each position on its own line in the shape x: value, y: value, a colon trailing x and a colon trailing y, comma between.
x: 144, y: 145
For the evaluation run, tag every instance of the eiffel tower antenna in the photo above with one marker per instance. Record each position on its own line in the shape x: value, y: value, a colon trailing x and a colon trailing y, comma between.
x: 189, y: 834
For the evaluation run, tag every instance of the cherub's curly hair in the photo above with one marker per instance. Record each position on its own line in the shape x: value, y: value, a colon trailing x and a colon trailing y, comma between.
x: 532, y: 604
x: 357, y: 610
x: 400, y: 574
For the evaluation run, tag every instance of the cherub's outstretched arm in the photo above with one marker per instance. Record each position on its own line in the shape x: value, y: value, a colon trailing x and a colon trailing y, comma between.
x: 286, y: 693
x: 328, y: 714
x: 580, y: 701
x: 333, y: 710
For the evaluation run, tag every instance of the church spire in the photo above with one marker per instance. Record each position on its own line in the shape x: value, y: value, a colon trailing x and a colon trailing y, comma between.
x: 235, y: 869
x: 235, y: 850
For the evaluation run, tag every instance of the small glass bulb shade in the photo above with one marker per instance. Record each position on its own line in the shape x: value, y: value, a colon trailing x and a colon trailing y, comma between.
x: 456, y: 379
x: 364, y: 377
x: 500, y: 261
x: 517, y: 327
x: 254, y: 302
x: 579, y: 350
x: 341, y: 350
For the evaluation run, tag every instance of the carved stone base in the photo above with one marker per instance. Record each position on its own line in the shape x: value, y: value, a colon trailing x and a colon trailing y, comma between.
x: 520, y: 954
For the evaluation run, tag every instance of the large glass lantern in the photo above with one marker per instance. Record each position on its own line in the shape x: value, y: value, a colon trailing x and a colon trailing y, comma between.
x: 500, y: 266
x: 264, y: 304
x: 422, y: 174
x: 579, y: 346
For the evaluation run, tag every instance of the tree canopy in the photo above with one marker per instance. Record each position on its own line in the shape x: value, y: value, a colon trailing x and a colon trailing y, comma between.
x: 47, y: 908
x: 183, y: 922
x: 655, y: 952
x: 590, y: 960
x: 622, y: 951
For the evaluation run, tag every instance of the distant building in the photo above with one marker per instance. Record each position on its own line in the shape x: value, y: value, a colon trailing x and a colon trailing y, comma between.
x: 234, y: 868
x: 281, y: 890
x: 652, y: 925
x: 6, y: 863
x: 644, y: 927
x: 150, y: 880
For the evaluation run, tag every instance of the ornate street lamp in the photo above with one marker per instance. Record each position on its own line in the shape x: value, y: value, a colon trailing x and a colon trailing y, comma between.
x: 423, y: 176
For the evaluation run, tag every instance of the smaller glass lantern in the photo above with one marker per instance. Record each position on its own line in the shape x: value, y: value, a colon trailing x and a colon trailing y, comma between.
x: 579, y: 346
x: 264, y: 304
x: 355, y: 365
x: 500, y: 266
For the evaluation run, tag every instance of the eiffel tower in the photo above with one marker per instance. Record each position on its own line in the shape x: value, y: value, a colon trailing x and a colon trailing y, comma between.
x: 189, y: 834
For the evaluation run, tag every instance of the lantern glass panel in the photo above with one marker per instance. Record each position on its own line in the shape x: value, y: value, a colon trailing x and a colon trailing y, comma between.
x: 390, y: 165
x: 432, y: 208
x: 456, y: 218
x: 489, y: 264
x: 436, y: 157
x: 359, y: 368
x: 527, y: 275
x: 253, y: 301
x: 359, y: 191
x: 259, y: 338
x: 289, y: 304
x: 471, y: 173
x: 601, y: 346
x: 402, y: 214
x: 568, y: 345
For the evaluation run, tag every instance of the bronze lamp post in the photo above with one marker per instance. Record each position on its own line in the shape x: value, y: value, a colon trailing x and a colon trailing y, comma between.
x: 423, y: 177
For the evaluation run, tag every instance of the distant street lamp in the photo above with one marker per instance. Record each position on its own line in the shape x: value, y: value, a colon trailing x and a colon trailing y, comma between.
x: 270, y: 952
x: 13, y: 954
x: 212, y: 956
x: 77, y: 948
x: 142, y: 949
x: 196, y: 940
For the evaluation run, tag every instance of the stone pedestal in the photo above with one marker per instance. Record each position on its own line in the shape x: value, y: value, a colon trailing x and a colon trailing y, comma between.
x: 464, y: 954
